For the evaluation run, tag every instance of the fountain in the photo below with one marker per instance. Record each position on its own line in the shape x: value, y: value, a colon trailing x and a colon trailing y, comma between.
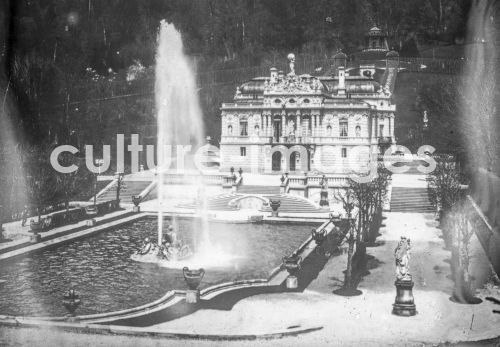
x: 179, y: 120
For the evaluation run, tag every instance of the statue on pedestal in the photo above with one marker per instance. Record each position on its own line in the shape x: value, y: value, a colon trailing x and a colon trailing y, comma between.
x: 402, y: 255
x: 324, y: 191
x: 404, y: 304
x: 291, y: 59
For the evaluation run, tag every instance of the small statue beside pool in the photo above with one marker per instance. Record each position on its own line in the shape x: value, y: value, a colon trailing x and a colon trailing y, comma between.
x: 171, y: 249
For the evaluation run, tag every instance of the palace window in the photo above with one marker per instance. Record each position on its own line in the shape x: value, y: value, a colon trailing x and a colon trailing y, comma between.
x: 344, y: 153
x: 243, y: 151
x: 230, y: 130
x: 381, y: 128
x: 358, y: 131
x: 257, y: 130
x: 243, y: 128
x: 343, y: 128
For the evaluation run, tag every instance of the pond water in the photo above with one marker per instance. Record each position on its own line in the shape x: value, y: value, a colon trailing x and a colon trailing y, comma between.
x: 100, y: 267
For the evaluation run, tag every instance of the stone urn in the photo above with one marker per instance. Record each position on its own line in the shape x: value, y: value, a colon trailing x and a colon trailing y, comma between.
x: 136, y: 200
x: 318, y: 236
x: 71, y: 301
x: 35, y: 228
x: 91, y: 211
x: 193, y: 279
x: 292, y: 264
x: 275, y: 204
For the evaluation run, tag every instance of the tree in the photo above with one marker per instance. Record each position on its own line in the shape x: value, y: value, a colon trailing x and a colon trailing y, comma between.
x: 447, y: 192
x: 446, y: 186
x: 71, y: 184
x: 345, y: 196
x: 462, y: 232
x: 40, y: 179
x: 363, y: 204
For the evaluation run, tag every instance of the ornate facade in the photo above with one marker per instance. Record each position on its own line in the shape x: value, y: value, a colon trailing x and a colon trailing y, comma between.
x: 302, y: 123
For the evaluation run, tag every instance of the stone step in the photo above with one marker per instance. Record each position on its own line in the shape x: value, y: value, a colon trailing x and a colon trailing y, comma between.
x: 253, y: 189
x: 410, y: 200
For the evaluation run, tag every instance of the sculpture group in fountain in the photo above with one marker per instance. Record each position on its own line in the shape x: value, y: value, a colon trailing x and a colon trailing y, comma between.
x: 402, y: 255
x: 171, y: 249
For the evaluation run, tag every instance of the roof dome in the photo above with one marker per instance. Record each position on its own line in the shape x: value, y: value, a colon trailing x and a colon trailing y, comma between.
x: 340, y: 55
x: 358, y: 86
x: 392, y: 54
x: 254, y: 86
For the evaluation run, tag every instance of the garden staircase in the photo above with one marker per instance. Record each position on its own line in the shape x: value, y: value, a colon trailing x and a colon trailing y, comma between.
x: 405, y: 199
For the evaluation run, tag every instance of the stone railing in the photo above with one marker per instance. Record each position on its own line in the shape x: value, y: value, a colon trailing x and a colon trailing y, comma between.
x: 332, y: 181
x: 191, y: 178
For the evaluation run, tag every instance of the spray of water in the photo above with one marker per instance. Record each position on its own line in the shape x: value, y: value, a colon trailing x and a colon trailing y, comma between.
x: 180, y: 123
x: 178, y: 111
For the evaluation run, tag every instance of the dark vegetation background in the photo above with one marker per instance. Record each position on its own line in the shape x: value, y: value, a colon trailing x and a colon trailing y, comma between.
x: 80, y: 71
x: 51, y: 47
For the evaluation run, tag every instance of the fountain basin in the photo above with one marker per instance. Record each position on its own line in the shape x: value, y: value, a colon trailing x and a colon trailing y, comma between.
x: 99, y: 267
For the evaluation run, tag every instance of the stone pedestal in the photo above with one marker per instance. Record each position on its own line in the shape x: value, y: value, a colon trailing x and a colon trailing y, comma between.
x: 91, y: 222
x: 35, y: 238
x: 404, y: 304
x: 292, y: 282
x: 324, y: 198
x: 192, y: 296
x: 137, y: 209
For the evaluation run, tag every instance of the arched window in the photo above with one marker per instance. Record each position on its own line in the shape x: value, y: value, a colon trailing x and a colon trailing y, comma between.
x: 358, y: 131
x: 329, y: 130
x: 257, y: 130
x: 230, y: 130
x: 243, y: 128
x: 343, y: 127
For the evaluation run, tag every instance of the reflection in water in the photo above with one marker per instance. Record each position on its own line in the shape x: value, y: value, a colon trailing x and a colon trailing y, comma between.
x: 102, y: 271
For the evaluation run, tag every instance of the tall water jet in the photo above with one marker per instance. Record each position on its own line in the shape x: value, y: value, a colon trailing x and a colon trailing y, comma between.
x: 179, y: 116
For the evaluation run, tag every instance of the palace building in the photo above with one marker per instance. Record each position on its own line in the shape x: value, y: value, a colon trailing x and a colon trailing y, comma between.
x: 295, y: 123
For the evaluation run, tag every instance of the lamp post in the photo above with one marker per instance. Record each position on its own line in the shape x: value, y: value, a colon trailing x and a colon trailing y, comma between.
x: 99, y: 163
x: 1, y: 222
x: 92, y: 211
x: 119, y: 182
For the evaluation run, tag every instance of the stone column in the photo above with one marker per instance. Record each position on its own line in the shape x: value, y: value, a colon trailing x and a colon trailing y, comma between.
x: 269, y: 125
x: 283, y: 125
x: 314, y: 127
x: 298, y: 133
x: 390, y: 126
x: 264, y: 125
x: 318, y: 125
x: 373, y: 132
